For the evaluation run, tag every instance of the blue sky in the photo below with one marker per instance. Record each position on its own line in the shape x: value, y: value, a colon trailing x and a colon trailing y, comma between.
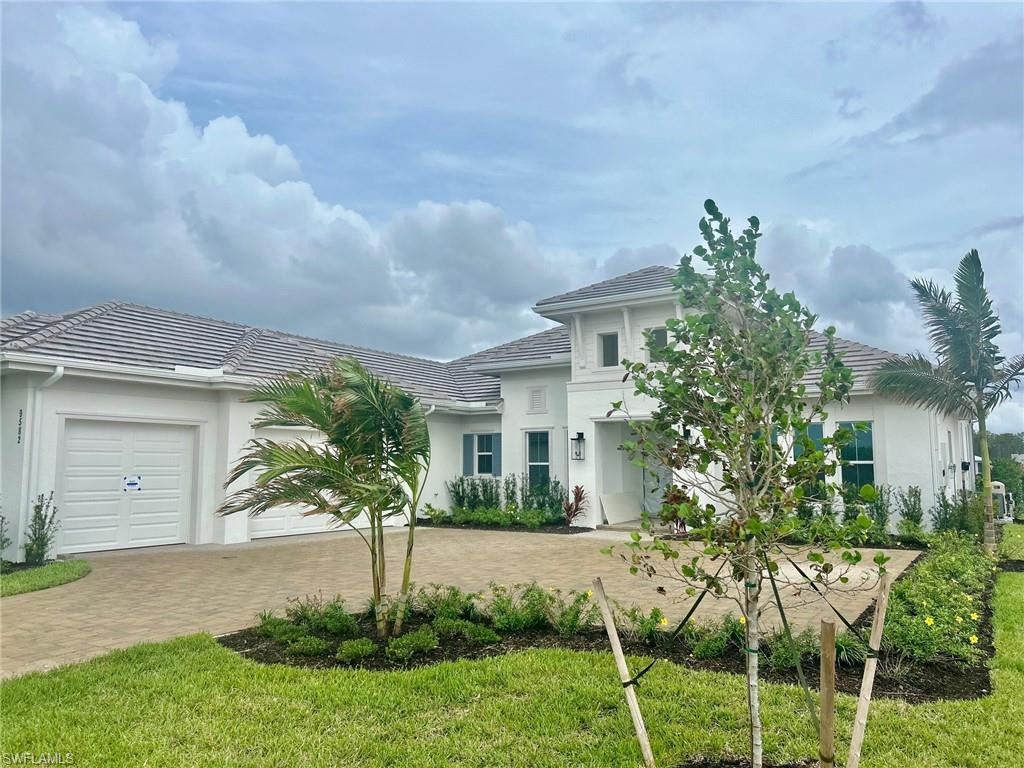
x: 413, y: 177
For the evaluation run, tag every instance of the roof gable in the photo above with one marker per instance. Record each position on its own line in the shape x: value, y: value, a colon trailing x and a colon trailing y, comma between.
x: 653, y: 278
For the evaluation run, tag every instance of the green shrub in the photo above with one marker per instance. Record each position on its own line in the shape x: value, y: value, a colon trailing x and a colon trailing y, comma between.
x: 783, y: 652
x: 41, y: 530
x: 404, y: 647
x: 879, y: 509
x: 308, y: 645
x: 448, y: 601
x: 908, y: 506
x: 850, y: 651
x: 713, y: 645
x: 278, y: 629
x: 964, y: 513
x: 647, y: 627
x: 475, y: 633
x: 437, y: 516
x: 352, y: 651
x: 523, y: 607
x: 573, y: 614
x: 530, y: 518
x: 936, y: 609
x: 316, y: 615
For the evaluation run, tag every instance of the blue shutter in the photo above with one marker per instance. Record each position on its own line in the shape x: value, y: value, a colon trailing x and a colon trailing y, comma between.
x: 467, y: 454
x: 496, y: 460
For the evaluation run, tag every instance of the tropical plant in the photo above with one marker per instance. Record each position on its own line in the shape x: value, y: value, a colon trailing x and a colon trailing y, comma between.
x: 5, y: 539
x: 372, y: 463
x: 734, y: 392
x: 575, y: 506
x: 971, y: 377
x: 41, y: 531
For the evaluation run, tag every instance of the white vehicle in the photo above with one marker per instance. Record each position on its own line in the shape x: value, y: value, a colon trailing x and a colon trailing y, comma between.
x: 1000, y: 504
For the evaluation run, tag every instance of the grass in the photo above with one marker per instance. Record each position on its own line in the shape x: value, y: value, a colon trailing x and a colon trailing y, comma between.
x: 191, y: 702
x: 1012, y: 545
x: 45, y: 576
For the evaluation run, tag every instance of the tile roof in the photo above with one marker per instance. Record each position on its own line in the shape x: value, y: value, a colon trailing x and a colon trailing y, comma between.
x: 647, y: 279
x: 137, y: 335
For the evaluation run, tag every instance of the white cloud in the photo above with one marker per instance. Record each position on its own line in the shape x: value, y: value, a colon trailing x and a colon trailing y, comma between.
x: 113, y: 191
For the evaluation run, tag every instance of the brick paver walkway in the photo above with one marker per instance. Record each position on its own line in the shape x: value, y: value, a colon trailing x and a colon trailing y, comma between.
x: 156, y: 594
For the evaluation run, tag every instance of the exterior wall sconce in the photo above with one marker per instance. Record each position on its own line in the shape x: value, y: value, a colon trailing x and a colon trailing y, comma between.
x: 576, y: 452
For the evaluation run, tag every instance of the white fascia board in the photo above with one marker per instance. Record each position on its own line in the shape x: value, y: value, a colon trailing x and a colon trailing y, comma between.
x: 554, y: 361
x: 603, y: 302
x: 14, y: 361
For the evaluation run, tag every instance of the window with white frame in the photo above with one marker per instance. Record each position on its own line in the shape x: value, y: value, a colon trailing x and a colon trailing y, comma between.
x: 538, y: 458
x: 608, y: 349
x: 485, y: 454
x: 657, y: 344
x: 858, y: 455
x: 536, y: 399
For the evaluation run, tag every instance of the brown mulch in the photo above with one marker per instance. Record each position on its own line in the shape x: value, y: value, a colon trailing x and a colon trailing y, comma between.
x: 726, y: 762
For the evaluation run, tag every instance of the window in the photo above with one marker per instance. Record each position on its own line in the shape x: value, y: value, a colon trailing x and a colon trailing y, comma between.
x: 816, y: 432
x: 537, y: 400
x: 858, y: 455
x: 658, y: 342
x: 608, y: 349
x: 538, y: 458
x: 485, y: 454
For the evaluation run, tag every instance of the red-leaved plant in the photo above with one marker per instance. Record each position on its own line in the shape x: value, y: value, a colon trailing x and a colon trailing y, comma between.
x: 575, y: 506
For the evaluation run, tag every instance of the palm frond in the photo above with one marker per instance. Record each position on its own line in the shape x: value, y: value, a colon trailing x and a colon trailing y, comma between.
x: 1000, y: 390
x: 916, y: 381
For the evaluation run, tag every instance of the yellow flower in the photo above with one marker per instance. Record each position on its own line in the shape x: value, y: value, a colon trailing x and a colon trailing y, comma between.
x: 974, y: 616
x: 663, y: 621
x: 590, y: 593
x: 743, y: 619
x: 959, y: 620
x: 969, y: 598
x: 974, y: 639
x: 929, y: 621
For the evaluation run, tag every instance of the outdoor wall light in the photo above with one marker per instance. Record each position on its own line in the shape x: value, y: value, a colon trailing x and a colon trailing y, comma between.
x: 576, y: 447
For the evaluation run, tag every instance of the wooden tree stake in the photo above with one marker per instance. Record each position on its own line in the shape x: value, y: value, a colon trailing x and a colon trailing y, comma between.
x: 860, y: 722
x: 624, y: 676
x: 827, y: 729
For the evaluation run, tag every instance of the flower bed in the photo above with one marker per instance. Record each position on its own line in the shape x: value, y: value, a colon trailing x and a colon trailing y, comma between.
x: 919, y: 660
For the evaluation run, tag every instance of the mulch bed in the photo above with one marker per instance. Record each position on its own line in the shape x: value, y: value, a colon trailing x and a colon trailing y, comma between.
x: 11, y: 567
x: 546, y: 528
x: 1014, y: 566
x: 911, y: 546
x: 911, y: 682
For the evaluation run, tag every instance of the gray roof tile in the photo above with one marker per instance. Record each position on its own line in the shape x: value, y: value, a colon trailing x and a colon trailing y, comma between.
x: 647, y: 279
x: 136, y: 335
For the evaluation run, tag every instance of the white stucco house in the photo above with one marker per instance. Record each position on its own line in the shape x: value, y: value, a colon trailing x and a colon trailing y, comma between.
x: 132, y: 415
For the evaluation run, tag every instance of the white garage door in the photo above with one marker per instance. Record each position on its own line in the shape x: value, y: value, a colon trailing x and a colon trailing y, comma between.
x: 286, y: 521
x: 124, y: 484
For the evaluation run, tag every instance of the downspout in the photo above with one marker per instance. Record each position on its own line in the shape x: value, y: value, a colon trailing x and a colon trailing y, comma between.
x: 30, y: 459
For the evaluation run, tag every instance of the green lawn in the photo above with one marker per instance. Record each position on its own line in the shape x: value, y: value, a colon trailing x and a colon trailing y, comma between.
x: 190, y: 702
x: 45, y: 576
x: 1012, y: 544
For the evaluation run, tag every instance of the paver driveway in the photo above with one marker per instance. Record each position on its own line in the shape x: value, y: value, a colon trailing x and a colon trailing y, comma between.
x: 155, y: 594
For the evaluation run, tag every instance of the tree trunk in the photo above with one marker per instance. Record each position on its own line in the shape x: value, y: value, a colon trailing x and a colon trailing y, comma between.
x: 377, y: 567
x: 752, y: 592
x: 403, y: 597
x: 986, y: 484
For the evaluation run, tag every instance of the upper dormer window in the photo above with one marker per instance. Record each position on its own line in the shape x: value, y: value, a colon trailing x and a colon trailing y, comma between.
x: 658, y: 342
x: 608, y: 349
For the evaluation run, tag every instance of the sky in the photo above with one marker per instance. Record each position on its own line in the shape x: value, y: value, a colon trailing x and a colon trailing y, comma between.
x: 414, y: 177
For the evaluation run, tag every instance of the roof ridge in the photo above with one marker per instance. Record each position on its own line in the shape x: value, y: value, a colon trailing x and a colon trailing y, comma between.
x: 68, y: 321
x: 240, y: 349
x: 602, y: 283
x: 558, y: 327
x: 18, y: 319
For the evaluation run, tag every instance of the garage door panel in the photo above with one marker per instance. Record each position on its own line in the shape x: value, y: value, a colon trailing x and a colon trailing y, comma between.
x: 97, y: 512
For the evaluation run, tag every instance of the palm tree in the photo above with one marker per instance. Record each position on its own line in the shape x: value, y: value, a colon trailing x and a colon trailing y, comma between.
x: 373, y: 461
x: 971, y: 377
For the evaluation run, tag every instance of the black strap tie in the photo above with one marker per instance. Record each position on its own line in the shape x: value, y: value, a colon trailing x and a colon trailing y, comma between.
x: 635, y: 679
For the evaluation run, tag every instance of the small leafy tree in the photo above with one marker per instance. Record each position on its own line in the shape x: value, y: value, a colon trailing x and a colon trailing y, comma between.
x: 574, y: 507
x: 42, y: 530
x: 373, y: 461
x: 971, y: 376
x: 740, y: 381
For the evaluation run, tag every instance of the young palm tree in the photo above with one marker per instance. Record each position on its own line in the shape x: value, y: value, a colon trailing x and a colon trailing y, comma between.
x: 971, y: 377
x: 373, y: 461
